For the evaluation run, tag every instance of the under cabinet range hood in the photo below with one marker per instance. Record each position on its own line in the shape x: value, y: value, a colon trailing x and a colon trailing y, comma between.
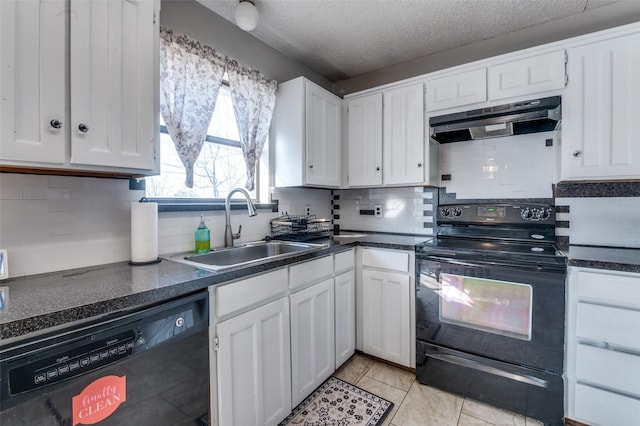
x: 536, y: 115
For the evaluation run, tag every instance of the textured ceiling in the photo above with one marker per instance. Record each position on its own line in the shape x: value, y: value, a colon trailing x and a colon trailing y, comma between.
x: 341, y: 39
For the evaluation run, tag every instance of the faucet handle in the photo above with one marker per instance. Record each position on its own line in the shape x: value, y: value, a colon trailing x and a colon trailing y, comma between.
x: 236, y: 236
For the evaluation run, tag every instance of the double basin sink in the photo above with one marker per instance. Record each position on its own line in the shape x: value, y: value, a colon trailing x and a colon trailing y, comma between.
x: 247, y: 254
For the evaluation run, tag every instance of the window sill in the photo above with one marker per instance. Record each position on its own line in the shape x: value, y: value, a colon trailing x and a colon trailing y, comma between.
x: 187, y: 205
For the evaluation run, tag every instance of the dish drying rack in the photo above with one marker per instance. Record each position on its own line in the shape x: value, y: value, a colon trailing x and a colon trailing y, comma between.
x: 299, y: 228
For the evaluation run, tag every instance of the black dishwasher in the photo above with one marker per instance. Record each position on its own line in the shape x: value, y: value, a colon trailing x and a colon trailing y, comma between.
x: 148, y: 367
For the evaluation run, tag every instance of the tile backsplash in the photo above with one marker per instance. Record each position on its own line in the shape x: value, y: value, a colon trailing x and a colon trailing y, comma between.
x: 507, y: 167
x: 53, y: 223
x: 605, y: 221
x: 404, y: 210
x: 50, y: 223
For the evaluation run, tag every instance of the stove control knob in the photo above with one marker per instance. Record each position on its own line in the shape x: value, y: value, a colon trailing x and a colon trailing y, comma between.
x: 526, y: 214
x: 456, y: 212
x: 544, y: 214
x: 445, y: 212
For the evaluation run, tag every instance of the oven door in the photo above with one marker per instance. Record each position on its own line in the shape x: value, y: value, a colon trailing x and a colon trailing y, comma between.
x: 512, y: 313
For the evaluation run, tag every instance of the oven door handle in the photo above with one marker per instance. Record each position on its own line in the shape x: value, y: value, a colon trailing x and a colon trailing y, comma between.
x: 463, y: 362
x: 521, y: 266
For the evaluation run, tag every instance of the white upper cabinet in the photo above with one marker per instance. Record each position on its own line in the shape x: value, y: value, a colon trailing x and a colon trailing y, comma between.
x: 110, y: 123
x: 463, y: 88
x: 386, y: 137
x: 600, y: 111
x: 365, y: 140
x: 32, y: 109
x: 403, y: 135
x: 307, y: 125
x: 113, y: 92
x: 536, y: 74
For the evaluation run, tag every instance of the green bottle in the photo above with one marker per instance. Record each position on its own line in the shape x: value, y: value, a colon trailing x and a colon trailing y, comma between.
x: 203, y: 237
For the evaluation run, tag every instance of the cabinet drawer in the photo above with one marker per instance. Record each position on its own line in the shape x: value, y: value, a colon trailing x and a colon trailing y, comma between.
x: 613, y: 369
x: 606, y: 324
x: 309, y: 272
x: 450, y: 91
x: 527, y: 76
x: 607, y: 287
x: 383, y: 259
x: 343, y: 261
x: 244, y: 293
x: 605, y: 408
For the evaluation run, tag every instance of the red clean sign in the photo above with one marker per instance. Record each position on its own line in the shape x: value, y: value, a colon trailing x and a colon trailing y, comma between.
x: 99, y: 400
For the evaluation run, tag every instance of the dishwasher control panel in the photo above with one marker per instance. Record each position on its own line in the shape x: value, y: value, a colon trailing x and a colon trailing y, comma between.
x: 70, y: 362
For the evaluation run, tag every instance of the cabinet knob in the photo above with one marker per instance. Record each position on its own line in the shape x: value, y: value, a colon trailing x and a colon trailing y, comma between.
x: 311, y: 166
x: 83, y: 128
x: 56, y: 124
x: 419, y: 164
x: 378, y: 169
x: 577, y: 153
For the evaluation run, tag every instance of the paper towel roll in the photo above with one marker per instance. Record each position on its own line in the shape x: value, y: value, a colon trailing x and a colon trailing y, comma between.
x: 144, y: 232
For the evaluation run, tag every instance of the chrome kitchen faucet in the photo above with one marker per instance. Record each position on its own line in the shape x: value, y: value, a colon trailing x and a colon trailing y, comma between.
x: 229, y: 236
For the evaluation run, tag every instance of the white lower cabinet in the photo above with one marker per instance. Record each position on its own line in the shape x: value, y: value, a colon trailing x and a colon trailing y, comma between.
x: 254, y: 366
x: 603, y: 346
x: 345, y: 309
x: 312, y: 338
x: 274, y: 338
x: 387, y: 329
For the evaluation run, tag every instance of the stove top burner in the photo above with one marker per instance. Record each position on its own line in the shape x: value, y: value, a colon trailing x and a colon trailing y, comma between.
x: 523, y: 233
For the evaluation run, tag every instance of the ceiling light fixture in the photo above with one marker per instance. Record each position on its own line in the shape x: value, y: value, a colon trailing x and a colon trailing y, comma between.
x: 246, y: 15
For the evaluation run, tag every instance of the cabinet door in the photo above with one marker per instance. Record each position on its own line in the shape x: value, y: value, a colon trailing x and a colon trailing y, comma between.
x: 365, y: 140
x: 114, y: 63
x: 527, y: 76
x: 323, y: 137
x: 386, y: 315
x: 450, y: 91
x: 600, y: 111
x: 254, y: 366
x: 403, y: 135
x: 345, y: 307
x: 33, y: 86
x: 312, y: 339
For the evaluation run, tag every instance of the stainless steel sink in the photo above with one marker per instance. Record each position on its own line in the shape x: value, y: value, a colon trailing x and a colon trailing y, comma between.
x: 252, y: 253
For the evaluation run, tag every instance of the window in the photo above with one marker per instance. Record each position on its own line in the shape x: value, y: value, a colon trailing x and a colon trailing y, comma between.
x: 220, y: 166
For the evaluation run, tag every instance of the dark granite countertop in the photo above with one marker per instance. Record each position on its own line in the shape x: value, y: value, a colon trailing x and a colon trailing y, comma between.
x: 611, y: 258
x: 39, y: 302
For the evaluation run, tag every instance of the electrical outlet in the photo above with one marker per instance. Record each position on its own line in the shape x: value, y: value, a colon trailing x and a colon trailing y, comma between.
x: 307, y: 210
x: 377, y: 210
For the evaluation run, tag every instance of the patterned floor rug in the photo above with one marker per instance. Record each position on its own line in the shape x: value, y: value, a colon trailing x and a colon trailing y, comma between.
x: 338, y: 403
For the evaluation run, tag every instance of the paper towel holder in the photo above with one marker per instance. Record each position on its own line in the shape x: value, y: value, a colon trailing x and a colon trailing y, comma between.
x: 148, y: 262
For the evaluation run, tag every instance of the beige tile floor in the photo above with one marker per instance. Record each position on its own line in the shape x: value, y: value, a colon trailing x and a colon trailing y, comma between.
x: 420, y: 405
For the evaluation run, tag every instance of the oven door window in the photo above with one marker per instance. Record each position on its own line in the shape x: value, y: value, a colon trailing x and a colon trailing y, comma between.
x: 499, y: 307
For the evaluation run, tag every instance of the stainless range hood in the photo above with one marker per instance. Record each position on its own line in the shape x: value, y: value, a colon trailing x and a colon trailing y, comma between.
x: 537, y: 115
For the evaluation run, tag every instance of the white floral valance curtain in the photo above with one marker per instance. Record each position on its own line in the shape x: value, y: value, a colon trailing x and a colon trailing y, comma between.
x: 253, y: 97
x: 190, y: 78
